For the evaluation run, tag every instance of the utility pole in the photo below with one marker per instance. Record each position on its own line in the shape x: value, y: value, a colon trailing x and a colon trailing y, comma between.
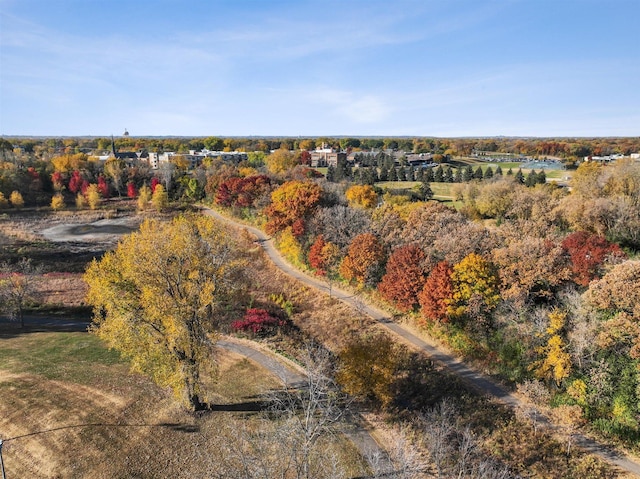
x: 2, y: 463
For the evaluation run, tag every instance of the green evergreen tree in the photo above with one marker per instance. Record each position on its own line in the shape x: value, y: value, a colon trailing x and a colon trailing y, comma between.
x: 509, y: 172
x: 542, y: 177
x: 401, y: 174
x: 532, y: 179
x: 438, y: 174
x: 419, y: 176
x: 383, y: 175
x: 520, y: 177
x: 410, y: 172
x: 393, y: 174
x: 448, y: 175
x: 425, y: 191
x: 458, y: 176
x: 428, y: 175
x: 488, y: 173
x: 498, y: 171
x: 331, y: 173
x: 467, y: 174
x: 478, y: 174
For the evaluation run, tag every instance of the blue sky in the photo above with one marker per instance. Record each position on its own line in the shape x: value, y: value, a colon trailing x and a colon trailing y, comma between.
x: 313, y: 68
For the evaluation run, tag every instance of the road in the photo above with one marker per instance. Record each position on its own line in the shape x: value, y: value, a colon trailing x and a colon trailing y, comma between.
x: 475, y: 379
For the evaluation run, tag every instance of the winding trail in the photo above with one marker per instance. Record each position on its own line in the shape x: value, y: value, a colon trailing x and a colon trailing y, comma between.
x: 293, y: 376
x: 475, y: 379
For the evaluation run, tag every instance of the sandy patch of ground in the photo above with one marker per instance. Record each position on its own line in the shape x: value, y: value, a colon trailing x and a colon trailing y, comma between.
x: 104, y: 230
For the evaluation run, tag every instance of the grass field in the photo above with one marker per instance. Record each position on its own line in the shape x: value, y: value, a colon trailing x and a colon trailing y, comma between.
x: 71, y: 409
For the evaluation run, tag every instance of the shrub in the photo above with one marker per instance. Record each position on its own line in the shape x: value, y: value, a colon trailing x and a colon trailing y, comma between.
x: 259, y: 322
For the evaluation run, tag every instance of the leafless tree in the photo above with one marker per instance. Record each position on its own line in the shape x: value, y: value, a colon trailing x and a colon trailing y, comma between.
x: 18, y: 287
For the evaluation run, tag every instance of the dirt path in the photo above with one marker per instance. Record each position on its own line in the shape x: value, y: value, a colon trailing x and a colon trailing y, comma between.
x: 294, y: 377
x: 477, y: 380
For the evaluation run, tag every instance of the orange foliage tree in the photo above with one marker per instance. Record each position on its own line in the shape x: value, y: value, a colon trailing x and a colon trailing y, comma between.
x: 437, y: 293
x: 291, y: 204
x: 404, y: 277
x: 364, y: 260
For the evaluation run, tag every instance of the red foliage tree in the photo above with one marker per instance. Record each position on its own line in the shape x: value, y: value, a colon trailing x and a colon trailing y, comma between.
x: 132, y: 191
x: 258, y: 321
x: 404, y: 278
x: 58, y: 180
x: 75, y: 182
x: 103, y: 187
x: 588, y: 253
x: 84, y: 186
x: 305, y: 158
x: 154, y: 182
x: 241, y: 192
x: 437, y: 293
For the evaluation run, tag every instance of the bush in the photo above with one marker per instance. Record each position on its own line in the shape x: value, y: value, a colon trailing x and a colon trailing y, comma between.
x: 259, y: 322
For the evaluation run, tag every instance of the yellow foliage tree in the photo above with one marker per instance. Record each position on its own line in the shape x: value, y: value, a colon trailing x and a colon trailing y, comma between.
x: 281, y: 161
x: 289, y: 246
x: 369, y: 366
x: 81, y: 201
x: 93, y: 196
x: 555, y: 362
x: 475, y: 287
x: 362, y: 196
x: 68, y: 163
x: 144, y: 196
x: 16, y: 199
x: 160, y: 198
x: 57, y: 202
x: 156, y: 295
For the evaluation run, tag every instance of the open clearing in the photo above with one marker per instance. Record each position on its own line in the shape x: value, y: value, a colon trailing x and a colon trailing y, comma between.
x: 74, y: 410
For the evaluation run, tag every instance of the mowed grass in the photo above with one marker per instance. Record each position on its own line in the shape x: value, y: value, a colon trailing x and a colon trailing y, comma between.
x: 71, y: 408
x: 73, y: 357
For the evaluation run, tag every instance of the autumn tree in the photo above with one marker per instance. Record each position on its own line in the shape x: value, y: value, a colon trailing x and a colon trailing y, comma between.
x: 115, y: 169
x: 475, y: 289
x: 315, y: 256
x: 93, y: 196
x: 57, y: 202
x: 16, y: 200
x: 588, y: 253
x: 292, y: 202
x: 364, y: 261
x: 618, y: 290
x: 368, y: 367
x: 530, y: 268
x: 362, y: 196
x: 242, y: 192
x: 18, y: 287
x: 555, y: 362
x: 437, y: 293
x: 132, y: 191
x: 144, y: 196
x: 103, y: 187
x: 281, y: 161
x: 160, y: 198
x: 156, y: 295
x: 75, y: 182
x: 404, y: 277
